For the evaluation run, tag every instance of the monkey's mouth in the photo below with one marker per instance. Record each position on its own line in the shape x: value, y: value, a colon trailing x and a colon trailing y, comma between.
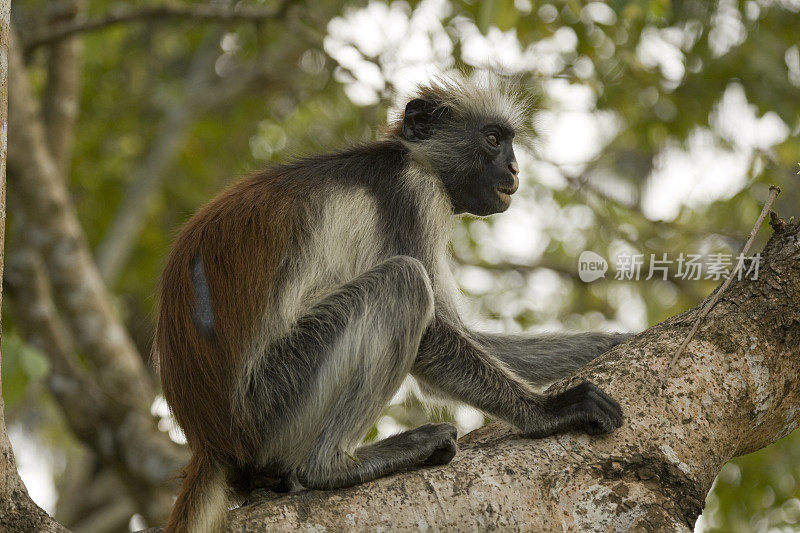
x: 505, y: 192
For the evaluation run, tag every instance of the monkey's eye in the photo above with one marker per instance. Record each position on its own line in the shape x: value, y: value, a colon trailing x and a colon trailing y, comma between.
x: 492, y: 139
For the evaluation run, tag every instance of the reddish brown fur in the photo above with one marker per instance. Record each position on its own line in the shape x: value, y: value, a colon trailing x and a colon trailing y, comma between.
x: 198, y: 476
x: 244, y: 230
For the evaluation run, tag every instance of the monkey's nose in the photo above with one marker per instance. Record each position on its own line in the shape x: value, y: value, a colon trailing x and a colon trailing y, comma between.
x: 513, y: 168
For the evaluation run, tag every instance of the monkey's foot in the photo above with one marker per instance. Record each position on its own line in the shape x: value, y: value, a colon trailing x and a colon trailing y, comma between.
x: 441, y: 438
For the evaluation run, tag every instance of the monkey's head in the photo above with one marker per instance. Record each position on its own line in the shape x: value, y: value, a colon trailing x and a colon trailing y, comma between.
x: 464, y: 132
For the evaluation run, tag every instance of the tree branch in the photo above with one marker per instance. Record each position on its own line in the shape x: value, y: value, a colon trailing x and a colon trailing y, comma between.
x: 773, y: 193
x: 735, y: 391
x: 157, y: 15
x: 149, y: 457
x: 114, y: 250
x: 84, y: 404
x: 62, y: 91
x: 57, y: 235
x: 17, y: 511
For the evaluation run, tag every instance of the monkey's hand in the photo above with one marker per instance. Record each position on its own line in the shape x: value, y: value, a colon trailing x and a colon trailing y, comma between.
x: 584, y: 407
x: 441, y: 440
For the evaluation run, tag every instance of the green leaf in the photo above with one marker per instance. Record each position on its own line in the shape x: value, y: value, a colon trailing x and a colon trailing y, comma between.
x: 21, y: 365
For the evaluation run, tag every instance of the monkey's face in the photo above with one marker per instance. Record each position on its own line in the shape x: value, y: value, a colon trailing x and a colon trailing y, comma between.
x: 474, y: 157
x: 486, y: 186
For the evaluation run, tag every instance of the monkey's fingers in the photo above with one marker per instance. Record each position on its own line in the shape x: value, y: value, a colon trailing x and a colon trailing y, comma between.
x: 589, y: 409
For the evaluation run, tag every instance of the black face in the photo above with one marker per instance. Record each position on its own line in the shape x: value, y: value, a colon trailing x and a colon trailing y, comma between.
x: 488, y: 189
x: 475, y: 161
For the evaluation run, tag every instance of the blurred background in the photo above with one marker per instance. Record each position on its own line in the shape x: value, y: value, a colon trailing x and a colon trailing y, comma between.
x: 660, y: 126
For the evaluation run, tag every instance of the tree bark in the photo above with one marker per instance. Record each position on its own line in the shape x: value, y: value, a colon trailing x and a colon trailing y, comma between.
x: 56, y: 233
x: 735, y: 390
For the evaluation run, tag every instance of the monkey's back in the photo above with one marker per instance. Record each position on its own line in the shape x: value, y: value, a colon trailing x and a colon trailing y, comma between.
x: 271, y: 246
x: 240, y: 238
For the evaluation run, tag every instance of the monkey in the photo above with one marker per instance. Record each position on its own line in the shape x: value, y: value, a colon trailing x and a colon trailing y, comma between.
x: 295, y: 303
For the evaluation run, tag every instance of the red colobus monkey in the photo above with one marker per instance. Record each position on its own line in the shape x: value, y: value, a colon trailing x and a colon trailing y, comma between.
x: 294, y: 304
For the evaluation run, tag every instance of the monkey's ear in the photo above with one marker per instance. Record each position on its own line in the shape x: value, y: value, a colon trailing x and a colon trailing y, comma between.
x: 418, y: 119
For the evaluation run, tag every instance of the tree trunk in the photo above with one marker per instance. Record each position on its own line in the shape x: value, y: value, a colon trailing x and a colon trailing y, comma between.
x: 17, y: 510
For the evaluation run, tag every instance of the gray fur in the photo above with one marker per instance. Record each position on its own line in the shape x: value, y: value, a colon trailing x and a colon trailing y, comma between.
x: 556, y: 354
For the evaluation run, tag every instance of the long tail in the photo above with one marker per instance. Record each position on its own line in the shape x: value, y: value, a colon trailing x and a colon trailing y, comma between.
x: 202, y: 503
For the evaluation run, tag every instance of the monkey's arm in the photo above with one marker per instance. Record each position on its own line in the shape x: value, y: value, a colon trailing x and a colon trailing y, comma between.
x: 542, y: 359
x: 450, y: 361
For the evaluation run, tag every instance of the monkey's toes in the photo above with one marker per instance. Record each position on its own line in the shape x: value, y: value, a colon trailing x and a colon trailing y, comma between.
x: 443, y: 454
x: 444, y: 446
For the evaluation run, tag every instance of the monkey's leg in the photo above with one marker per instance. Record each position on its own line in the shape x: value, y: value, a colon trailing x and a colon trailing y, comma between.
x: 452, y: 362
x: 542, y: 359
x: 363, y: 338
x: 431, y: 444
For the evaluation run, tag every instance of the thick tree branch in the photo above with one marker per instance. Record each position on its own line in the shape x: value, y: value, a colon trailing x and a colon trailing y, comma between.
x: 134, y: 445
x: 736, y: 390
x: 124, y: 440
x: 17, y: 511
x: 56, y: 233
x: 159, y: 14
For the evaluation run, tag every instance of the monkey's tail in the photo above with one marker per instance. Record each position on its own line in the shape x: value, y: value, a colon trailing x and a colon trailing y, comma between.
x: 202, y: 503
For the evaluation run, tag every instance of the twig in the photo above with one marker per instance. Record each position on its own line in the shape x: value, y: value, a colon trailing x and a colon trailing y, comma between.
x: 157, y: 14
x: 773, y: 193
